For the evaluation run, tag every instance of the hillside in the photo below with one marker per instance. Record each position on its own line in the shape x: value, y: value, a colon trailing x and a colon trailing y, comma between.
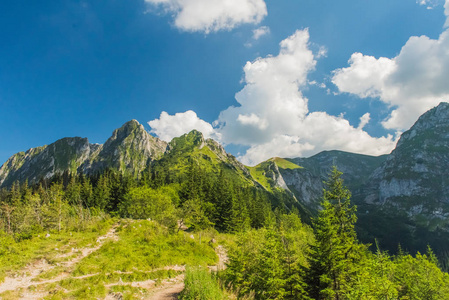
x: 111, y: 262
x: 177, y: 240
x: 402, y: 197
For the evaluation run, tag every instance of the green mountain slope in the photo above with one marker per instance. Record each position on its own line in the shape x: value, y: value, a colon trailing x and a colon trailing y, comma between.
x: 206, y: 153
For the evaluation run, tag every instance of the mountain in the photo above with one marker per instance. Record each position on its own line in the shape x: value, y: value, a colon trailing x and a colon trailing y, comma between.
x: 402, y: 197
x: 304, y: 177
x: 66, y: 154
x: 415, y: 176
x: 130, y: 148
x: 206, y: 153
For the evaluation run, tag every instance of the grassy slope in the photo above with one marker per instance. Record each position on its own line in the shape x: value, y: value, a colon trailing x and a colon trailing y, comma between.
x: 285, y: 164
x: 260, y: 172
x: 142, y: 251
x: 16, y: 255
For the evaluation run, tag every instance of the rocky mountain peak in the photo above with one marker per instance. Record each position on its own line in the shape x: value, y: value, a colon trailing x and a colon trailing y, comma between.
x: 432, y: 123
x: 125, y: 130
x: 130, y: 148
x: 437, y: 116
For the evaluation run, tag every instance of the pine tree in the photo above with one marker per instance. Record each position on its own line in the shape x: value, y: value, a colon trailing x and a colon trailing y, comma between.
x: 333, y: 256
x: 101, y: 193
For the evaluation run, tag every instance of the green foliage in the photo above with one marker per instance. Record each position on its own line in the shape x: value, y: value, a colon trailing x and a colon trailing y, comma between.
x: 144, y: 202
x: 420, y: 278
x: 275, y: 256
x: 334, y: 256
x: 268, y: 262
x: 200, y: 284
x: 146, y: 245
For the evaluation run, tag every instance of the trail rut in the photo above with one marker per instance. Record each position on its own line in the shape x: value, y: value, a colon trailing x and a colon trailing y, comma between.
x: 158, y: 290
x: 32, y: 271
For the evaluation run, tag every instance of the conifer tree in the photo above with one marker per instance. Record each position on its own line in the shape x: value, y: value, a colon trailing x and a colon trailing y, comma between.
x: 101, y: 193
x: 333, y: 256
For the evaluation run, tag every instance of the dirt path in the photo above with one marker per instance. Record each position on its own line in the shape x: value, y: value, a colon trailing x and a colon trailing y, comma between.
x: 172, y: 290
x: 169, y: 293
x: 164, y: 290
x: 222, y: 259
x: 32, y: 271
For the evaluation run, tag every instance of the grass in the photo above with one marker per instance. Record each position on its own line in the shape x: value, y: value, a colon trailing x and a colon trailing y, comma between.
x: 258, y: 173
x: 262, y: 173
x: 97, y: 286
x: 146, y: 245
x: 201, y: 285
x: 143, y: 252
x: 16, y: 255
x: 285, y: 164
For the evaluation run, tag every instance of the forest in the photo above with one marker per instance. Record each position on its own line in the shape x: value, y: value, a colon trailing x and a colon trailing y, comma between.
x: 273, y: 252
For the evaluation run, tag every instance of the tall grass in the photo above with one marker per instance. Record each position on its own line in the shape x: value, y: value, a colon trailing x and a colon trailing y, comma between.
x: 201, y: 285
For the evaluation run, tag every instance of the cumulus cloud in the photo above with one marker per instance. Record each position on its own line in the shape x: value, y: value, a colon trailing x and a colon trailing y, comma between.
x: 169, y: 126
x: 273, y: 118
x: 213, y: 15
x: 319, y: 132
x: 280, y: 146
x: 410, y: 83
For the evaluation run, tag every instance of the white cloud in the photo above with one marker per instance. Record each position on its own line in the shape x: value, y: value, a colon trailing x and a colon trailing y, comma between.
x: 366, y: 75
x: 213, y: 15
x: 430, y: 4
x: 319, y: 132
x: 253, y: 120
x: 273, y: 118
x: 411, y: 83
x: 280, y: 146
x: 364, y: 120
x: 169, y: 126
x: 259, y: 32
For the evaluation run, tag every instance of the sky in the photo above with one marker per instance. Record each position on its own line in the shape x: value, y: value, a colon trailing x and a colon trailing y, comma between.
x: 265, y: 78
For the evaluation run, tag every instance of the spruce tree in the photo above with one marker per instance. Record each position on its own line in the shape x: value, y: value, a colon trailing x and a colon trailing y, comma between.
x: 334, y: 254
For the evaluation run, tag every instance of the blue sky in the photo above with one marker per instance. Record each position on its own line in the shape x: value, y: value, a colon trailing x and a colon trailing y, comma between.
x: 264, y: 77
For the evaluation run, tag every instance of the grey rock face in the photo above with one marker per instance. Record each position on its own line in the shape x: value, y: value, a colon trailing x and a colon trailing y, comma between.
x: 414, y: 178
x: 306, y: 187
x: 66, y: 154
x: 307, y: 183
x: 130, y: 148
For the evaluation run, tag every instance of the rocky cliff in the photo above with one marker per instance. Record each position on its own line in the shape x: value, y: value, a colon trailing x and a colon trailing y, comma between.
x: 415, y: 176
x: 130, y: 149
